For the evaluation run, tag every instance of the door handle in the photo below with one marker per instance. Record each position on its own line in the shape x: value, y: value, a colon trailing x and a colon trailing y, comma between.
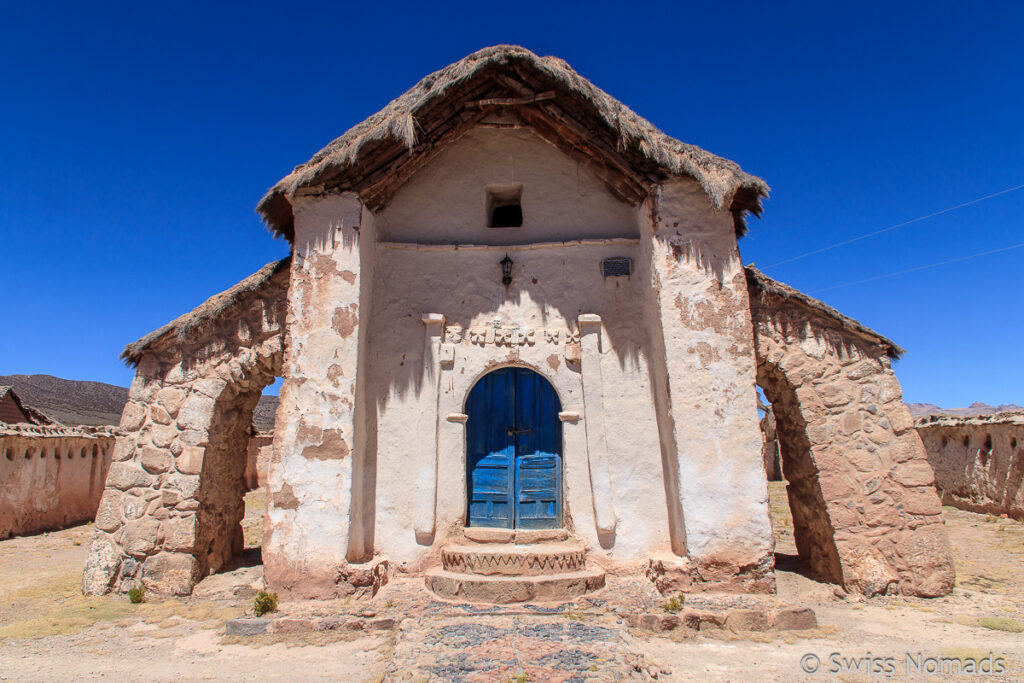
x: 512, y: 431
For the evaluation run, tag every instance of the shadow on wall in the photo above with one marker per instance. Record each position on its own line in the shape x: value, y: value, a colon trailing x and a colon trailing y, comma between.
x: 559, y: 284
x: 812, y: 528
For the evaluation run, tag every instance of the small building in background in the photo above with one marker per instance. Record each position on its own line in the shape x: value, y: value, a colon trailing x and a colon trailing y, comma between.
x: 13, y: 411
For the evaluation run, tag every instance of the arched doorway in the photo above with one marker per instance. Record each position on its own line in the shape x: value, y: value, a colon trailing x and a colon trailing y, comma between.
x: 514, y: 452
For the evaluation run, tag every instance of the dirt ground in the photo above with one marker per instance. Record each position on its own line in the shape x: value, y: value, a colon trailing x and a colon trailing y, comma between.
x: 49, y: 631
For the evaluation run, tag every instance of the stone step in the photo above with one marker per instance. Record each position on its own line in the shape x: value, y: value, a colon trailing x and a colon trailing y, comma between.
x: 504, y: 559
x: 502, y: 590
x: 517, y: 536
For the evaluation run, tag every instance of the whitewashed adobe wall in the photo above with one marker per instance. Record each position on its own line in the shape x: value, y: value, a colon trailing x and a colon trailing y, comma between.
x: 702, y: 337
x: 553, y: 285
x: 447, y: 201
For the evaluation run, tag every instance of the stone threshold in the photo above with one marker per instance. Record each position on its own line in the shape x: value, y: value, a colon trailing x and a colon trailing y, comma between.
x: 481, y: 534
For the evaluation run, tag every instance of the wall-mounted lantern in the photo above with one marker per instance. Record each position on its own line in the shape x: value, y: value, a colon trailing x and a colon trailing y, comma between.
x: 506, y: 270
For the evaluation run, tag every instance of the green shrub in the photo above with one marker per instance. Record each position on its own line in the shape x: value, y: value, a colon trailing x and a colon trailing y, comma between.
x: 264, y: 603
x: 137, y: 594
x: 674, y: 604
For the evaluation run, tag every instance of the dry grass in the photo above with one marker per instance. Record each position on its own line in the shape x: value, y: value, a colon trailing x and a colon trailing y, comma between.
x: 1001, y: 624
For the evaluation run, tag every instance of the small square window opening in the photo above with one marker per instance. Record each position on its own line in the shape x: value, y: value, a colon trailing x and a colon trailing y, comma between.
x: 504, y: 206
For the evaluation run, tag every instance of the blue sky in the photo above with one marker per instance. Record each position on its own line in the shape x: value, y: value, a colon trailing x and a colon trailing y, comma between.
x: 136, y: 139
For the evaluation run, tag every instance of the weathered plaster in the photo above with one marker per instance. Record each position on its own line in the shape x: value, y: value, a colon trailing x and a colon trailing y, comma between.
x: 51, y: 475
x: 978, y: 461
x: 551, y: 287
x: 307, y: 543
x: 699, y: 295
x: 447, y: 200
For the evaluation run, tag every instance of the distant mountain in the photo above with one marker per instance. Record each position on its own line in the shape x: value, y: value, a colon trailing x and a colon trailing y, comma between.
x: 69, y: 401
x: 95, y: 403
x: 921, y: 409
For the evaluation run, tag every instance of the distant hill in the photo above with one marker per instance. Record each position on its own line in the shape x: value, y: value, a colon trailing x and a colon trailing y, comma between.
x: 95, y: 403
x: 921, y: 409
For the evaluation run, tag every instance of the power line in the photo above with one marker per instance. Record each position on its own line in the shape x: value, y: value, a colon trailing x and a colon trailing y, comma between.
x: 898, y: 225
x: 913, y: 270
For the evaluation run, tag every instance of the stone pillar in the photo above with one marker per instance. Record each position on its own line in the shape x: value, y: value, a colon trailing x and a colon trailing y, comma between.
x: 306, y: 541
x: 594, y: 422
x: 710, y: 435
x: 426, y: 456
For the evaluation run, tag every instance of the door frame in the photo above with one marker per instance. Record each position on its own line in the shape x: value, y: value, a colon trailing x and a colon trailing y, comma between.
x: 514, y: 465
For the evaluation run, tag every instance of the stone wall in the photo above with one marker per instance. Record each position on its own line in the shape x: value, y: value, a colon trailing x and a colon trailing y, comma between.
x: 978, y: 461
x: 862, y: 494
x: 173, y: 503
x: 50, y: 476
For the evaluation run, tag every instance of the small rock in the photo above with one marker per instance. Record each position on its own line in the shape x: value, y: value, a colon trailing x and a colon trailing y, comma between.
x: 796, y: 620
x: 246, y: 627
x: 368, y: 613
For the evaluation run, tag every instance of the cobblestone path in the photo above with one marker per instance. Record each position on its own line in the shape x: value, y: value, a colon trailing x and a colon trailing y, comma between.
x: 527, y: 647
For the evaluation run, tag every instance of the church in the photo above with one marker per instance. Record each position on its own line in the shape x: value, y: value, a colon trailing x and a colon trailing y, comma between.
x: 519, y: 352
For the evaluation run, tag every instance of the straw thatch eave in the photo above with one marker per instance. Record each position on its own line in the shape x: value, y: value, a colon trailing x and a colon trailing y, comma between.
x: 627, y: 152
x: 207, y: 311
x: 763, y: 286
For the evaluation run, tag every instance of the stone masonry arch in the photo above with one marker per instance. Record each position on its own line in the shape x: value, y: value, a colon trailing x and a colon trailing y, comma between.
x: 866, y: 513
x: 812, y: 527
x: 171, y: 510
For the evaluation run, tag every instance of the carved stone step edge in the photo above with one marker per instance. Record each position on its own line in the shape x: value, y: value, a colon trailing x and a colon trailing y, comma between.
x: 503, y: 590
x: 513, y: 560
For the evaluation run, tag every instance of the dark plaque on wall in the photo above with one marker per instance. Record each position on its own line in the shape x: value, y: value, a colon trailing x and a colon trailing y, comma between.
x: 616, y: 267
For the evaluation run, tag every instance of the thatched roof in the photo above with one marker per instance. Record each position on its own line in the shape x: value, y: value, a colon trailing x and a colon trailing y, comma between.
x: 208, y: 310
x: 759, y: 283
x: 376, y: 156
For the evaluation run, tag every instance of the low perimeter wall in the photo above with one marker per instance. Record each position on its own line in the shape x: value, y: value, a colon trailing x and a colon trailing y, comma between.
x: 978, y: 461
x: 51, y: 476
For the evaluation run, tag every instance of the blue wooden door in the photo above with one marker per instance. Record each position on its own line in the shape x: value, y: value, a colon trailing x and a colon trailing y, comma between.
x: 514, y: 444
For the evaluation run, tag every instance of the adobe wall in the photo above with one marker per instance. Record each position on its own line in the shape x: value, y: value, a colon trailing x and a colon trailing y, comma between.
x: 698, y: 317
x: 535, y: 323
x: 561, y: 198
x: 978, y: 461
x: 862, y: 493
x: 258, y: 454
x: 50, y: 476
x: 369, y: 449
